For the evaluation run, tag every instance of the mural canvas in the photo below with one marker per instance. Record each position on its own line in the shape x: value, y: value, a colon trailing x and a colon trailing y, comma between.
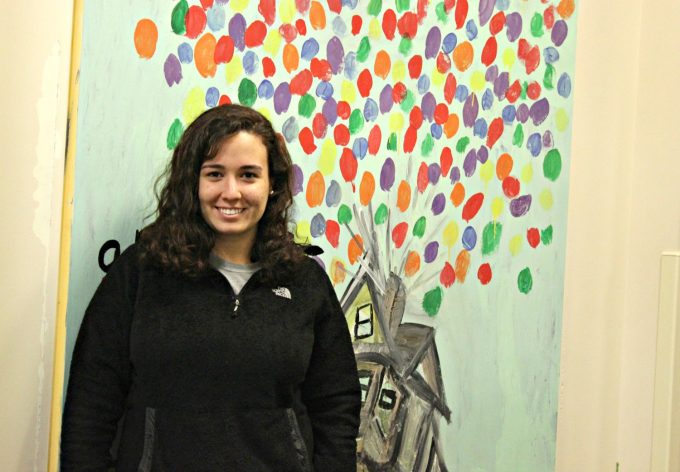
x: 431, y: 143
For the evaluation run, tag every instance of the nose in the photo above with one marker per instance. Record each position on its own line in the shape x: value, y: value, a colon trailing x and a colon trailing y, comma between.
x: 230, y: 189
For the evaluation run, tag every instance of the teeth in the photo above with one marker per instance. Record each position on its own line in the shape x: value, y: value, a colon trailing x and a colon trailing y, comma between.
x: 231, y: 211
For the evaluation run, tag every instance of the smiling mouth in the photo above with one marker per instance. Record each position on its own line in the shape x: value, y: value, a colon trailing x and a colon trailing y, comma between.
x: 231, y: 211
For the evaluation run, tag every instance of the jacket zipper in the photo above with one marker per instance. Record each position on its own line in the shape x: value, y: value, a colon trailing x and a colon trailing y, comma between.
x: 234, y: 313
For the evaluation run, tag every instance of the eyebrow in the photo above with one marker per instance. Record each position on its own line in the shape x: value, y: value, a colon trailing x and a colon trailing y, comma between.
x: 242, y: 168
x: 252, y: 168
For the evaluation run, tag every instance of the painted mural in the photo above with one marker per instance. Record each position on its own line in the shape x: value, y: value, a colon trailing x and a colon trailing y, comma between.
x: 431, y: 143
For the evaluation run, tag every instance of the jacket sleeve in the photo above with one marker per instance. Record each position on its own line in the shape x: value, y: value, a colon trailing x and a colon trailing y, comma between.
x: 100, y: 371
x: 331, y: 389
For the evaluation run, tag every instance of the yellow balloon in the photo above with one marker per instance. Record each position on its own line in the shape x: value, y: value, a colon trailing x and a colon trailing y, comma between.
x: 374, y: 29
x: 509, y: 58
x: 329, y: 152
x: 487, y: 171
x: 450, y: 234
x: 396, y: 121
x: 303, y: 233
x: 234, y: 69
x: 272, y: 42
x: 477, y: 81
x: 516, y: 244
x: 348, y: 91
x: 497, y: 206
x: 398, y: 71
x: 546, y: 199
x: 287, y: 10
x: 194, y: 105
x: 238, y: 5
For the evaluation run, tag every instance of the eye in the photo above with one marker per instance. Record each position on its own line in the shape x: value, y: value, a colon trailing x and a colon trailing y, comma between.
x: 213, y: 174
x: 248, y: 175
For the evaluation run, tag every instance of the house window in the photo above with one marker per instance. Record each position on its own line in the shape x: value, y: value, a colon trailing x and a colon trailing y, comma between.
x: 388, y: 398
x: 363, y: 321
x: 365, y: 381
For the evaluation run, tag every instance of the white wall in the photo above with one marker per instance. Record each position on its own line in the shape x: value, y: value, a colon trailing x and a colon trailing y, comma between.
x: 35, y: 50
x: 624, y: 210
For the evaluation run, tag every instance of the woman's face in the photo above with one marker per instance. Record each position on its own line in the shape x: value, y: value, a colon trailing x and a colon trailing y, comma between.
x: 233, y: 189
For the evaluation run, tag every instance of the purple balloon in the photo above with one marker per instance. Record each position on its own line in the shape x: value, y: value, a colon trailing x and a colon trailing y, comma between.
x: 470, y: 110
x: 485, y: 11
x: 482, y: 154
x: 290, y: 129
x: 427, y: 105
x: 333, y: 194
x: 237, y: 31
x: 282, y: 98
x: 559, y: 32
x: 298, y: 179
x: 520, y: 205
x: 539, y: 111
x: 330, y: 111
x: 431, y: 251
x: 335, y: 54
x: 438, y: 204
x: 432, y: 43
x: 386, y: 100
x: 548, y: 139
x: 317, y: 226
x: 433, y: 173
x: 173, y: 70
x: 501, y: 84
x: 470, y: 163
x: 387, y: 175
x: 522, y: 113
x: 491, y: 73
x: 513, y: 26
x: 454, y: 175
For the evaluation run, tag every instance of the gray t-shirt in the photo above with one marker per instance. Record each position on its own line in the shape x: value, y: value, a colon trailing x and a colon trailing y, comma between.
x: 237, y: 274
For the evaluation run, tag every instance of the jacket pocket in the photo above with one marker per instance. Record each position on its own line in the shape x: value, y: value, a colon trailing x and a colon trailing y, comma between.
x: 149, y: 439
x: 298, y: 441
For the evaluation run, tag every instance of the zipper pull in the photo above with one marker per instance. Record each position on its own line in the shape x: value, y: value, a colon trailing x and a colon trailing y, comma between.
x: 234, y: 314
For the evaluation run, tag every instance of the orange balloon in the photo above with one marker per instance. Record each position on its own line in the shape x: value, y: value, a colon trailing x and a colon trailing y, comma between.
x: 382, y: 64
x: 204, y: 55
x: 291, y: 57
x: 316, y: 188
x: 412, y: 264
x: 403, y: 196
x: 457, y: 194
x: 146, y: 35
x: 462, y: 265
x: 463, y: 55
x: 451, y: 125
x: 317, y: 16
x: 504, y: 166
x: 338, y: 271
x: 366, y: 188
x: 566, y: 8
x: 355, y: 248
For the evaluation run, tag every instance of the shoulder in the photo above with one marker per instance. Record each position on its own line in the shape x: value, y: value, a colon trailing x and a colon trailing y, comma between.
x: 310, y: 266
x: 128, y: 261
x: 123, y: 273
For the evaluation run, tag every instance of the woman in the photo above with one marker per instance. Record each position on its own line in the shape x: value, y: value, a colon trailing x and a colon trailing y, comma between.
x: 214, y: 343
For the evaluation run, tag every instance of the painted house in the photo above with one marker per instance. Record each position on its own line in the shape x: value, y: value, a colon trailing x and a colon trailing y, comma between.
x: 402, y: 393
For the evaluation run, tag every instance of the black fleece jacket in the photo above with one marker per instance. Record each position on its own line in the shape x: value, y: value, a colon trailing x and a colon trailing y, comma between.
x: 206, y: 381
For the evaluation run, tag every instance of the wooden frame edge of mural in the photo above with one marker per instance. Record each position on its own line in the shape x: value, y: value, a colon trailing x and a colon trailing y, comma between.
x: 65, y: 241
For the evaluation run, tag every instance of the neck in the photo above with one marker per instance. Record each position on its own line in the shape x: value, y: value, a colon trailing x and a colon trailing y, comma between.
x: 236, y: 251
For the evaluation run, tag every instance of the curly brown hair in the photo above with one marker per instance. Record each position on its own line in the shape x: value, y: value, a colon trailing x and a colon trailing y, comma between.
x: 179, y: 239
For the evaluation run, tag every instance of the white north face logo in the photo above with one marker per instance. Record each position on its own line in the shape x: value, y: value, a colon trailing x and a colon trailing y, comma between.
x: 282, y: 292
